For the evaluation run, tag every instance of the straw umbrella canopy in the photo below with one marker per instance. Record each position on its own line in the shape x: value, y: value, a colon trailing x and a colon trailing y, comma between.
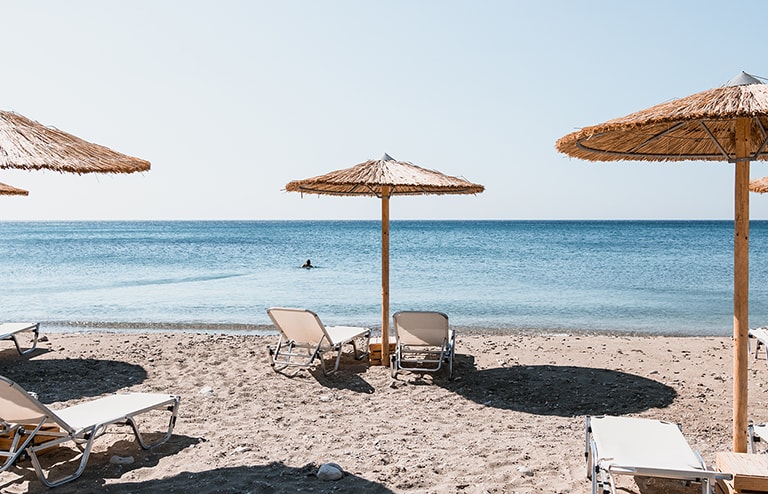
x: 759, y: 185
x: 29, y: 145
x: 10, y: 190
x: 384, y: 178
x: 728, y: 123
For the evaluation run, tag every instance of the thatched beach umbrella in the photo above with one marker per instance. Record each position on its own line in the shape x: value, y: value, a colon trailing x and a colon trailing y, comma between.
x: 759, y: 185
x: 10, y: 190
x: 29, y: 145
x: 728, y: 123
x: 384, y: 178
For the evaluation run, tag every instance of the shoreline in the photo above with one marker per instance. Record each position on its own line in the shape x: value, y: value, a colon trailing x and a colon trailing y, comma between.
x: 512, y: 420
x: 63, y: 327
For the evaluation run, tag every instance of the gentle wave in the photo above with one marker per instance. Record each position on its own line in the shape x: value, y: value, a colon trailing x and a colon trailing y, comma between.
x: 177, y: 281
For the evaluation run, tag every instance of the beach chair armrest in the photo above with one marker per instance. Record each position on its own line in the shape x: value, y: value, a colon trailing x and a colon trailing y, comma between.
x: 669, y: 473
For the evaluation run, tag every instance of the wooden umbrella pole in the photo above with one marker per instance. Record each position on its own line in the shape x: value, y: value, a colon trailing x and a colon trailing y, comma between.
x: 385, y: 275
x: 741, y: 286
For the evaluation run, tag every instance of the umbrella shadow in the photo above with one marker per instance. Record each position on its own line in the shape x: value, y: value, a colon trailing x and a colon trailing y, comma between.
x: 560, y: 390
x: 272, y: 478
x: 66, y: 379
x: 99, y: 466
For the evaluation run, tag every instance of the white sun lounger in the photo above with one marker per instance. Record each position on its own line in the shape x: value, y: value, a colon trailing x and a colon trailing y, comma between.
x: 761, y: 335
x: 424, y: 342
x: 23, y: 417
x: 10, y: 330
x: 642, y: 447
x: 303, y: 338
x: 757, y: 433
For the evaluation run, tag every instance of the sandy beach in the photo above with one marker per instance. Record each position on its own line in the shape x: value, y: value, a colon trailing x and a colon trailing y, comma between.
x: 512, y: 420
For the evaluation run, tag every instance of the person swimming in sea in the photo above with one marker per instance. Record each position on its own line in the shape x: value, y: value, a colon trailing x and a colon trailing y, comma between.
x: 307, y: 264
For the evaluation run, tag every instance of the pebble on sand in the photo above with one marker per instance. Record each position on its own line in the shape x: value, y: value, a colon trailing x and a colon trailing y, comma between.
x: 330, y: 471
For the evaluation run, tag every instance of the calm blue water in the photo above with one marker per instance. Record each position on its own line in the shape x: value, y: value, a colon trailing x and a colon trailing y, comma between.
x: 636, y: 276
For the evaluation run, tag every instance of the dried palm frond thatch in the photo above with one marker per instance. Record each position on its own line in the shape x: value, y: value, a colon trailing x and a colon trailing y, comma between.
x: 697, y: 127
x: 370, y: 177
x: 759, y: 185
x: 29, y: 145
x: 10, y: 190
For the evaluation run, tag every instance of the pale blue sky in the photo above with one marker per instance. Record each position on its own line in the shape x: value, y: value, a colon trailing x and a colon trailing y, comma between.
x: 230, y: 100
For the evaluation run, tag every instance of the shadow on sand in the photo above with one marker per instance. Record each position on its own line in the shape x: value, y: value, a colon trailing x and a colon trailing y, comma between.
x: 66, y: 379
x: 99, y: 467
x: 272, y: 478
x: 558, y: 390
x: 346, y: 377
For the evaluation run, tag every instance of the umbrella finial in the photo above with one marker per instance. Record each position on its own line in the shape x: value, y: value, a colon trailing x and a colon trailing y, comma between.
x: 743, y: 79
x: 387, y: 157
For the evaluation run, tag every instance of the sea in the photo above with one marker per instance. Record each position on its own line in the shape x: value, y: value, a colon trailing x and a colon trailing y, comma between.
x: 635, y: 277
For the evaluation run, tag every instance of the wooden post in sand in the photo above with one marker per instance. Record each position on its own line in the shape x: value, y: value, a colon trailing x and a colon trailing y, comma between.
x: 741, y: 286
x: 385, y: 275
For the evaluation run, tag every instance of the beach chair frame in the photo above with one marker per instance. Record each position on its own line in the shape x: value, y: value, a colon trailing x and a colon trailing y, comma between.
x: 23, y: 418
x: 10, y: 330
x: 756, y: 433
x: 664, y: 437
x: 760, y: 335
x: 424, y: 342
x: 304, y: 338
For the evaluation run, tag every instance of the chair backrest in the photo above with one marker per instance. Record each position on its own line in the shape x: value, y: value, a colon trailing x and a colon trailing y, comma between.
x: 19, y: 407
x: 421, y: 327
x: 643, y: 442
x: 299, y: 325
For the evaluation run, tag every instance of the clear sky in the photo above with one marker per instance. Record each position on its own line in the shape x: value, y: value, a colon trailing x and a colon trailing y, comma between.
x: 230, y: 100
